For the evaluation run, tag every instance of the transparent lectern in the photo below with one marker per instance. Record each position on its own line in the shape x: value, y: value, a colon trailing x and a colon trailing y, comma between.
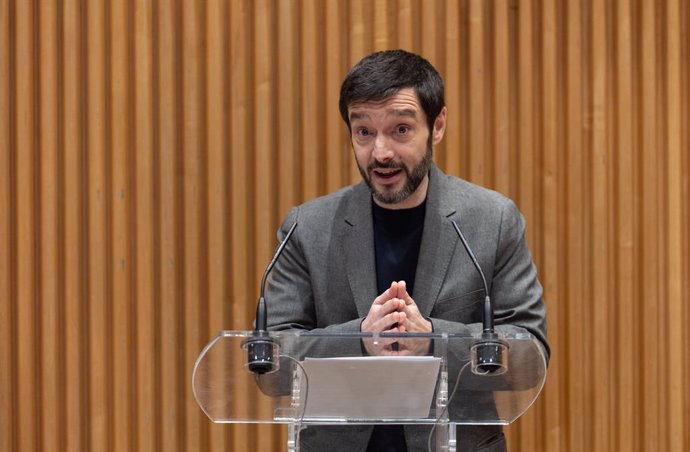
x: 352, y: 379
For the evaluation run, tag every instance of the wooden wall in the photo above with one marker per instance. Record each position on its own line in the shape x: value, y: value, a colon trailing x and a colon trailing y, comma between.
x: 149, y: 149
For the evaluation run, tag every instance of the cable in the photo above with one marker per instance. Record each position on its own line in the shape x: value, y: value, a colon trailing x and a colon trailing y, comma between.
x: 306, y: 393
x: 445, y: 408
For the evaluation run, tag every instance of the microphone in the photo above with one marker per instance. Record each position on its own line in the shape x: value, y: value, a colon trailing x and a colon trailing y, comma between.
x: 262, y: 350
x: 488, y: 354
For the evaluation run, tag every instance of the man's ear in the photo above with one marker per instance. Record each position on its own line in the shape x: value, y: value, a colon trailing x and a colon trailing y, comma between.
x: 439, y: 126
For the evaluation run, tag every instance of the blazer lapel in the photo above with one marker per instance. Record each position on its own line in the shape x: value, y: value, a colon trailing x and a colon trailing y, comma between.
x: 357, y: 242
x: 438, y: 244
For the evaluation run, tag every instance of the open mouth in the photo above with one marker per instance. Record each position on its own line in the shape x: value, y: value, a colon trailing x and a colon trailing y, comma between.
x: 387, y: 173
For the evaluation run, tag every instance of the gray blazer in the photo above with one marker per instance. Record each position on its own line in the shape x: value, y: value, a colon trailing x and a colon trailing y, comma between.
x: 326, y: 277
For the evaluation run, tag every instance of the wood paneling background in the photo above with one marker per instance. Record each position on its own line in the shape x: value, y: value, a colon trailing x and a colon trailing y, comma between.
x: 149, y: 149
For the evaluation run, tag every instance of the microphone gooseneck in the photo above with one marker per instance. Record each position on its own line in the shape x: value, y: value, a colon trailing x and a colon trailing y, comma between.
x: 489, y: 352
x: 262, y: 350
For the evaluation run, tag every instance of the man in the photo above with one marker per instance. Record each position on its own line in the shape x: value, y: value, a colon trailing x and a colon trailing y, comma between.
x: 383, y: 256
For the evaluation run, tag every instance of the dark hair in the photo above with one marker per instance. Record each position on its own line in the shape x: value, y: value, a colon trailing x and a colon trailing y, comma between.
x: 382, y: 74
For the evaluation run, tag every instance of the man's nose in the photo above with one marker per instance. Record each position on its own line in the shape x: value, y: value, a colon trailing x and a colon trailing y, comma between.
x: 382, y: 152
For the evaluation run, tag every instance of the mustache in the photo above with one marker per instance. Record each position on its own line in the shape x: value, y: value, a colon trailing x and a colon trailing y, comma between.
x: 385, y: 165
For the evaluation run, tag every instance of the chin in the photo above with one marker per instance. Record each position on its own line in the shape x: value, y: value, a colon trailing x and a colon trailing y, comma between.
x: 391, y: 198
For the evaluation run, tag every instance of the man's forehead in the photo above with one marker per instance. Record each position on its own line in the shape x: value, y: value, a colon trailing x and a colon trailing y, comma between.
x: 403, y: 103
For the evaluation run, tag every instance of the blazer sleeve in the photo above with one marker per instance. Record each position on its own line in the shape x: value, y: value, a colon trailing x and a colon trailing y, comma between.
x: 515, y: 289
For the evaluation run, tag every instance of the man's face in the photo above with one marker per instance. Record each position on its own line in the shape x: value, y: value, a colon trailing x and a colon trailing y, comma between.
x: 392, y: 147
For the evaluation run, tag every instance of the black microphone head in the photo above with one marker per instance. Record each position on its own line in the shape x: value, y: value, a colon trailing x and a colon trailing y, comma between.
x: 489, y: 355
x: 263, y: 353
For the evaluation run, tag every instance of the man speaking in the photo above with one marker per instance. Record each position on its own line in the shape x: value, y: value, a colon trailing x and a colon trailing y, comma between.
x: 383, y: 256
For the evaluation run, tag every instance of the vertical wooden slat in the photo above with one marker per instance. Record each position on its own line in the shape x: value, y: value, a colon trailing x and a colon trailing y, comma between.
x: 648, y: 223
x: 264, y: 152
x: 48, y: 273
x: 527, y: 148
x: 510, y: 70
x: 661, y: 144
x: 26, y: 178
x: 625, y: 219
x: 358, y: 48
x: 239, y: 163
x: 311, y: 100
x: 526, y: 142
x: 168, y: 116
x: 430, y: 29
x: 677, y: 418
x: 477, y: 92
x: 217, y: 192
x: 6, y: 274
x: 383, y: 26
x: 408, y: 38
x: 575, y: 266
x: 502, y: 100
x: 600, y: 214
x: 339, y: 157
x: 95, y: 166
x: 75, y: 279
x: 240, y: 234
x: 192, y: 157
x: 143, y: 270
x: 450, y: 159
x: 551, y: 191
x: 180, y: 192
x: 120, y: 196
x: 684, y: 67
x: 288, y: 171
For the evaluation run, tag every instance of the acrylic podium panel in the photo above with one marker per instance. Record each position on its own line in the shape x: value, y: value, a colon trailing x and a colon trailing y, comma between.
x: 228, y: 393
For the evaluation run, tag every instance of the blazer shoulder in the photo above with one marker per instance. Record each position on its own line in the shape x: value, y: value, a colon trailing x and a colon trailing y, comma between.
x: 465, y: 195
x: 322, y: 211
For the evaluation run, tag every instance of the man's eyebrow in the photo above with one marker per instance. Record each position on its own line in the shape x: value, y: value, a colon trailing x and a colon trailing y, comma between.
x: 358, y: 115
x: 409, y: 112
x: 406, y: 112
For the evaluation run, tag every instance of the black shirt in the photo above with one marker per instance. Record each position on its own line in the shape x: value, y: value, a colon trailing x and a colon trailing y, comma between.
x: 397, y: 238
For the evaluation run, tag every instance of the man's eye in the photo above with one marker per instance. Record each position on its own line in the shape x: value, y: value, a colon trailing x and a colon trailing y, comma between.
x: 363, y: 132
x: 402, y: 130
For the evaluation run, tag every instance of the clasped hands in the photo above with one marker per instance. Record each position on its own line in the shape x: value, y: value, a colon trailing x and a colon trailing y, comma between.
x: 394, y: 311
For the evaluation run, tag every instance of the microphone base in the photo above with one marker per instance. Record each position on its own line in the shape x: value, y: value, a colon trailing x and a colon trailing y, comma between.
x: 489, y: 355
x: 263, y: 353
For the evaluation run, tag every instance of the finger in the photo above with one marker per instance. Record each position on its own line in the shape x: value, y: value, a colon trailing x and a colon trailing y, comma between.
x: 385, y: 296
x: 377, y: 322
x: 392, y: 322
x: 402, y: 293
x: 373, y: 321
x: 394, y: 289
x: 415, y: 321
x: 391, y: 306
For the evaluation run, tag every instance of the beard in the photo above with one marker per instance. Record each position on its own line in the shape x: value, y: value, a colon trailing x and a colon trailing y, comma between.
x: 414, y: 178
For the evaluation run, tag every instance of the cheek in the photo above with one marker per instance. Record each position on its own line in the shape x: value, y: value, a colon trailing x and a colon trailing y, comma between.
x: 409, y: 154
x: 362, y: 155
